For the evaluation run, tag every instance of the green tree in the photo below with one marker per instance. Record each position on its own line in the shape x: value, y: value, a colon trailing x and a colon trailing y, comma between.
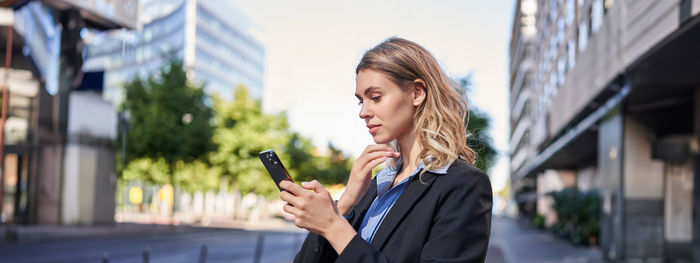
x: 242, y: 131
x: 170, y: 123
x: 302, y: 161
x: 478, y: 123
x: 336, y: 166
x: 331, y: 168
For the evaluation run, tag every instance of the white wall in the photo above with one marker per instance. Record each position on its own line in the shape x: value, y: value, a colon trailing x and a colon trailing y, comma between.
x: 551, y: 180
x: 643, y: 177
x: 78, y: 185
x: 89, y: 178
x: 89, y: 114
x: 678, y: 204
x: 587, y: 179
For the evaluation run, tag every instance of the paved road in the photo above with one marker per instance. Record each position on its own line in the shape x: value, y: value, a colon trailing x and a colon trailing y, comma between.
x: 223, y: 245
x: 511, y: 242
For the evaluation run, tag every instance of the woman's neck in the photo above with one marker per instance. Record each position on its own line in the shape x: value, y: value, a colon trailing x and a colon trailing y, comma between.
x: 410, y: 148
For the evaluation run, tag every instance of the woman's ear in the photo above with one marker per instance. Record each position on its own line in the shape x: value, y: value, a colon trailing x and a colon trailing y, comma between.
x: 419, y: 92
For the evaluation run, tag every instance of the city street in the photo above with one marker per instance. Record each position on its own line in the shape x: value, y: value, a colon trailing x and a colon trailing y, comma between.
x: 510, y: 242
x: 183, y: 244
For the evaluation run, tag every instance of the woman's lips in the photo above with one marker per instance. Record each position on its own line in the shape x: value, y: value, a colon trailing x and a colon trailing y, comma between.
x: 373, y: 128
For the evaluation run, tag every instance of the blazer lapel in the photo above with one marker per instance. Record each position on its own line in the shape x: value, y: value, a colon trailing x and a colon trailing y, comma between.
x: 408, y: 198
x: 362, y: 207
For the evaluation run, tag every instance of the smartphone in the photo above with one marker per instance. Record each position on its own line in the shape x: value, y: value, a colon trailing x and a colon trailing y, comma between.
x: 274, y: 167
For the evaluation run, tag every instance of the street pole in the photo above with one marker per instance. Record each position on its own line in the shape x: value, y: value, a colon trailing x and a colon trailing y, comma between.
x: 124, y: 121
x: 123, y: 117
x: 10, y: 235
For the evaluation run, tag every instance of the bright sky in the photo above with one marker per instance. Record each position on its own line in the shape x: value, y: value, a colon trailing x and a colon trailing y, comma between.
x: 313, y: 48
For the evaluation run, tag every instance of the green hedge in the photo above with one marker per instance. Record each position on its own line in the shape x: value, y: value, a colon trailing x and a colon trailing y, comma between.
x: 578, y: 215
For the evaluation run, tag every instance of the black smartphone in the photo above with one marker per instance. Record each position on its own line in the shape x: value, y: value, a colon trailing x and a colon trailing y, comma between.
x: 274, y: 167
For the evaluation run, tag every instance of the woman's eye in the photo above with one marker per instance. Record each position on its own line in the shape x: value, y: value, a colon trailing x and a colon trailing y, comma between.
x: 376, y: 99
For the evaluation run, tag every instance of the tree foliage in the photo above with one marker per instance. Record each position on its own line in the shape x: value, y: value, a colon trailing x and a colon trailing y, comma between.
x: 478, y: 123
x: 169, y: 121
x: 242, y: 131
x: 177, y: 138
x: 479, y: 140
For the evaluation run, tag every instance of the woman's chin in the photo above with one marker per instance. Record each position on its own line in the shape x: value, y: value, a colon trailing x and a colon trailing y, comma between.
x: 378, y: 139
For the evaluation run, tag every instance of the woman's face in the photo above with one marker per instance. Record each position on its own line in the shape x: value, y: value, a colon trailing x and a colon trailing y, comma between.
x: 386, y: 108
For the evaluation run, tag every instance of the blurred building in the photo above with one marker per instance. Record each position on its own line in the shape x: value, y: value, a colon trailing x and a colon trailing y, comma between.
x: 605, y: 95
x: 218, y: 44
x: 58, y: 163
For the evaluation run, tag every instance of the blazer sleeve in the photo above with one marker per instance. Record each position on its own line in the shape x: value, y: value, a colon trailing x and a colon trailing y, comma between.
x: 462, y: 224
x: 358, y: 250
x: 315, y: 249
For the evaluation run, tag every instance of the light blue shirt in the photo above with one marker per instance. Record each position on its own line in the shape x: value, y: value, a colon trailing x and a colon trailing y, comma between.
x: 387, y: 197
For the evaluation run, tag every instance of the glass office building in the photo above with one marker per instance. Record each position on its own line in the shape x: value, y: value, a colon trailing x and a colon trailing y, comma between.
x: 219, y: 46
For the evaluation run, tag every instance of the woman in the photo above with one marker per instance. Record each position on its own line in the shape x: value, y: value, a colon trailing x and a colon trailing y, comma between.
x: 430, y: 204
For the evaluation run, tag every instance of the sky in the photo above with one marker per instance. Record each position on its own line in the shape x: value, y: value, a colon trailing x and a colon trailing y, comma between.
x: 312, y: 48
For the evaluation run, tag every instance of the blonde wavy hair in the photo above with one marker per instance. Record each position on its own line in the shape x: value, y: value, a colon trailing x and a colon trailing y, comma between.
x: 440, y: 120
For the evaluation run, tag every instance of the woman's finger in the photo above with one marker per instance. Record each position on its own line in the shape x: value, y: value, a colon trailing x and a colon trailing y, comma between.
x: 375, y: 162
x: 380, y: 154
x: 375, y: 148
x: 292, y: 188
x: 291, y: 210
x: 289, y: 198
x: 374, y: 156
x: 314, y: 185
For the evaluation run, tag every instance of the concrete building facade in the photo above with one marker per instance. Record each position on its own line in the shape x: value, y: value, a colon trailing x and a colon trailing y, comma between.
x: 608, y: 92
x: 218, y: 44
x: 58, y: 164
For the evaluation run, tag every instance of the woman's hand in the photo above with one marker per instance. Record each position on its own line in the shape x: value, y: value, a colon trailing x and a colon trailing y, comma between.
x: 361, y: 174
x: 316, y: 212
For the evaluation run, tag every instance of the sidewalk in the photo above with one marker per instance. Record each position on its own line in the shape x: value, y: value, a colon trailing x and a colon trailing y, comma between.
x: 38, y: 233
x: 514, y: 243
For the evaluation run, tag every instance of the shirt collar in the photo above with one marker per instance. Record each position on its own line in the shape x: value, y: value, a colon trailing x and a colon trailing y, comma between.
x: 386, y: 176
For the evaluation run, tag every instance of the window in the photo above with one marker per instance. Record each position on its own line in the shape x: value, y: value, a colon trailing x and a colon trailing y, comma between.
x: 596, y: 15
x: 570, y: 12
x: 582, y: 37
x: 553, y: 6
x: 561, y: 73
x: 561, y: 27
x: 571, y: 54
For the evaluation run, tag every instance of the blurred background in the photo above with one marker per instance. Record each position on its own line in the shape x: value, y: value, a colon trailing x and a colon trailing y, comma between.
x: 129, y: 129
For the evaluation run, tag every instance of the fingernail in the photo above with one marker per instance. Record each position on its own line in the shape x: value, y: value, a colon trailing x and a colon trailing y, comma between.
x: 304, y: 183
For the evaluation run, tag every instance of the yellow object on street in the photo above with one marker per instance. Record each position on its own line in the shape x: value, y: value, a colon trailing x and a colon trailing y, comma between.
x: 165, y: 194
x: 135, y: 195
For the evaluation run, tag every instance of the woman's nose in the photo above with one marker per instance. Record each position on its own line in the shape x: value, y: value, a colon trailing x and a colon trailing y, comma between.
x: 364, y: 112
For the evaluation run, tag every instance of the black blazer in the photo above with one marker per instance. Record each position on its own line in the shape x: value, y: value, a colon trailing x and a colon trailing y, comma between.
x: 446, y: 219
